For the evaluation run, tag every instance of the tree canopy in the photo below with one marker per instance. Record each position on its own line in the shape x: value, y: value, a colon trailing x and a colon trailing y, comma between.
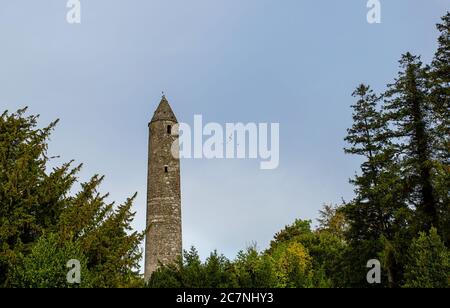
x: 43, y: 225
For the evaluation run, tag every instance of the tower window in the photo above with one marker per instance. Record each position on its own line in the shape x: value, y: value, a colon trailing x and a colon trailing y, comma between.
x: 169, y: 129
x: 166, y: 169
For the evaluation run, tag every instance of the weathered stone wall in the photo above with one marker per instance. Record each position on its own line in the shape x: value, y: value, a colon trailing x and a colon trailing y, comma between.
x: 163, y: 240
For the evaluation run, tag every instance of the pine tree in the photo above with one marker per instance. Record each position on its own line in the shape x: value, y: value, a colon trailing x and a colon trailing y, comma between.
x: 255, y: 270
x: 365, y: 213
x: 407, y: 110
x: 440, y: 98
x: 377, y: 213
x: 428, y: 264
x: 219, y: 272
x: 403, y: 185
x: 440, y: 91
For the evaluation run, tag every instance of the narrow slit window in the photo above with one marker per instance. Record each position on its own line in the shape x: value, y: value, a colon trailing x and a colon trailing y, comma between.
x: 169, y: 129
x: 166, y: 169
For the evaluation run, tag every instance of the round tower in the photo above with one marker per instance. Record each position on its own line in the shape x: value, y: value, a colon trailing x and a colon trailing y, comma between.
x: 163, y: 239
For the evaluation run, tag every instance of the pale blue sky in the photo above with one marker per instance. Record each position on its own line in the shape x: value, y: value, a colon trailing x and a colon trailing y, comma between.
x: 295, y: 62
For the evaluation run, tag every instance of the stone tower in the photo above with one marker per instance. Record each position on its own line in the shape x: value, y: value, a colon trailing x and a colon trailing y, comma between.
x: 163, y: 238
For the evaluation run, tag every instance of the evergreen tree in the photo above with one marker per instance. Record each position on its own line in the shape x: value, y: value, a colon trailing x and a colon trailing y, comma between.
x: 167, y: 276
x: 439, y: 84
x: 377, y: 213
x: 46, y: 265
x: 407, y: 110
x: 440, y: 91
x: 254, y: 270
x: 190, y: 272
x: 34, y: 202
x: 104, y: 233
x: 31, y: 199
x: 428, y: 263
x: 369, y: 214
x: 219, y: 272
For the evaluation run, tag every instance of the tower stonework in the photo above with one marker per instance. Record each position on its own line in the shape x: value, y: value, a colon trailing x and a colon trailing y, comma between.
x: 163, y: 242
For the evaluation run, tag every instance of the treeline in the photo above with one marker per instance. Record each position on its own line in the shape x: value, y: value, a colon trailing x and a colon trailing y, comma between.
x: 400, y: 214
x: 297, y: 257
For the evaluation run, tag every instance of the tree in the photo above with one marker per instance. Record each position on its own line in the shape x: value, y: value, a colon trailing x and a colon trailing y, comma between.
x: 104, y: 233
x: 324, y: 251
x: 439, y: 84
x: 442, y: 190
x: 439, y: 76
x: 45, y: 266
x: 365, y: 213
x: 34, y: 202
x: 291, y: 232
x: 377, y: 212
x: 30, y: 198
x: 254, y: 270
x: 219, y: 272
x: 428, y: 262
x: 294, y: 266
x: 407, y: 109
x: 167, y: 276
x: 332, y: 220
x: 190, y: 272
x: 369, y: 213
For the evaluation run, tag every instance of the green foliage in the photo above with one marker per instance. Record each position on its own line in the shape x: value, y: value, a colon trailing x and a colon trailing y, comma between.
x: 407, y: 113
x: 255, y: 270
x: 402, y: 189
x: 293, y: 266
x: 167, y: 276
x: 190, y: 272
x: 45, y: 266
x: 30, y: 198
x: 298, y: 258
x: 442, y: 189
x: 323, y: 249
x: 373, y: 212
x: 219, y: 272
x: 439, y: 85
x: 439, y: 81
x: 297, y: 229
x: 332, y: 220
x: 34, y: 202
x: 105, y: 235
x: 428, y: 263
x: 250, y: 269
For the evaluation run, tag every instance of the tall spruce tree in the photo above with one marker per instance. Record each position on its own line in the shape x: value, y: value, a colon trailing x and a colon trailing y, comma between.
x: 365, y: 139
x: 377, y: 213
x: 407, y: 112
x: 440, y: 91
x: 439, y: 81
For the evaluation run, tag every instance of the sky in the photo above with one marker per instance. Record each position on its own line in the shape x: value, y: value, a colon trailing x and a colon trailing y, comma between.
x: 292, y: 62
